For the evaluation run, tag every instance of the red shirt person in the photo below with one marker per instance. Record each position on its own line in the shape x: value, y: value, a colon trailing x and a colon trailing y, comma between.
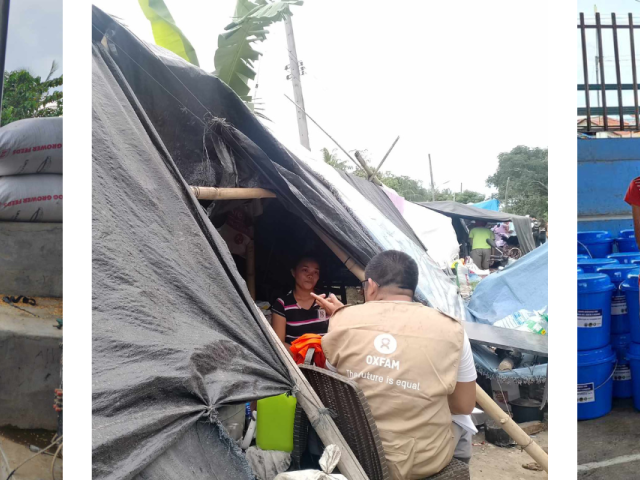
x: 633, y: 198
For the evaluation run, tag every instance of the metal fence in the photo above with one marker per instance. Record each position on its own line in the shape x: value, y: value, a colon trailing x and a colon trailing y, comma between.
x: 617, y: 116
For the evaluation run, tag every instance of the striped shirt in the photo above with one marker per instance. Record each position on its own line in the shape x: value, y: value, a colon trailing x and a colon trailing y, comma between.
x: 633, y: 193
x: 299, y: 320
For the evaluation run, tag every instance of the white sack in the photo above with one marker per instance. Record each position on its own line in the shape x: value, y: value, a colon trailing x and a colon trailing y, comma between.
x: 328, y: 463
x: 32, y: 145
x: 31, y: 198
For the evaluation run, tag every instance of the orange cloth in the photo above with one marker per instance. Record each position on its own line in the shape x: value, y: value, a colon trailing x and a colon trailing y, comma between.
x: 301, y: 345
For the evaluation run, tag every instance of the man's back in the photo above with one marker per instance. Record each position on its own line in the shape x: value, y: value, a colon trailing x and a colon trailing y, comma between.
x: 480, y: 235
x: 405, y: 358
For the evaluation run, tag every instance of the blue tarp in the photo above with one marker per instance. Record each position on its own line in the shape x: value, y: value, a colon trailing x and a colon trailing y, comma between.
x: 493, y: 204
x: 522, y: 285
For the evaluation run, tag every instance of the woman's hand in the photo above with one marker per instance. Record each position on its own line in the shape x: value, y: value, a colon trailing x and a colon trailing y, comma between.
x: 330, y: 304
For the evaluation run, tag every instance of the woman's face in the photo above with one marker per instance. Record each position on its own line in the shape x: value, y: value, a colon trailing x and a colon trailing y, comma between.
x: 306, y: 274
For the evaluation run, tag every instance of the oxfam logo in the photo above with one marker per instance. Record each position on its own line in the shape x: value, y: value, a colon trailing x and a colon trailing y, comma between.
x: 385, y: 343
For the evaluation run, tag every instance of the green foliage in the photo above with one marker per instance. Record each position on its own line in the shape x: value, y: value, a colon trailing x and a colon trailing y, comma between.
x: 235, y: 56
x: 411, y: 189
x: 527, y: 171
x: 26, y: 96
x: 165, y: 32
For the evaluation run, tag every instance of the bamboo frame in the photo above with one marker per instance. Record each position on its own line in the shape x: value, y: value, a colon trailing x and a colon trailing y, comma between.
x: 215, y: 193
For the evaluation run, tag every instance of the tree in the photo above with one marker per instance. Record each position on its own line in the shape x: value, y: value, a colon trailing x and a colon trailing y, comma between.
x: 26, y: 96
x: 469, y: 196
x: 331, y: 157
x: 527, y: 171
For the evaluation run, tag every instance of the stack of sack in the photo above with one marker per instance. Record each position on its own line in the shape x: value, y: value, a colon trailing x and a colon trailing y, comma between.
x: 31, y: 170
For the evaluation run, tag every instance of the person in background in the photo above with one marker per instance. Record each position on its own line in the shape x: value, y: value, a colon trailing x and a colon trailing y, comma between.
x: 633, y: 198
x: 481, y: 242
x: 298, y: 313
x: 413, y: 363
x: 535, y: 230
x: 501, y: 233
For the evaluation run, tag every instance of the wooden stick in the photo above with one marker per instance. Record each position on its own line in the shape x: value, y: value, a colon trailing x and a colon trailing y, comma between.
x: 486, y: 403
x: 370, y: 175
x: 512, y: 428
x: 325, y: 427
x: 215, y: 193
x: 377, y: 170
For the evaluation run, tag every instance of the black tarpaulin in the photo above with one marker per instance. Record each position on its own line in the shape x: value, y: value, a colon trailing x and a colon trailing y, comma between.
x: 216, y: 141
x: 175, y: 332
x: 521, y: 224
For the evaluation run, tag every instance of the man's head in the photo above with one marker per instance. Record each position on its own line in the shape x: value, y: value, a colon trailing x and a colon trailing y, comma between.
x: 481, y: 223
x: 391, y: 274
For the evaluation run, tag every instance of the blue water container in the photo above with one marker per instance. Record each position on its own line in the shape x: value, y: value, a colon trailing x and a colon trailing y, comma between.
x: 594, y: 310
x: 627, y: 241
x: 591, y: 265
x: 622, y: 387
x: 597, y: 244
x: 630, y: 289
x: 580, y: 270
x: 595, y: 382
x: 626, y: 257
x: 617, y: 274
x: 634, y: 360
x: 580, y: 255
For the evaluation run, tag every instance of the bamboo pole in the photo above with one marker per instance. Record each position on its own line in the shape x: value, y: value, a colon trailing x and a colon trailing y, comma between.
x: 215, y: 193
x: 486, y: 403
x: 251, y: 257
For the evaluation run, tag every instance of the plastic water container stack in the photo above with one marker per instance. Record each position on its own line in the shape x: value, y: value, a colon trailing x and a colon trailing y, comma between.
x: 31, y: 170
x: 608, y: 316
x: 626, y: 242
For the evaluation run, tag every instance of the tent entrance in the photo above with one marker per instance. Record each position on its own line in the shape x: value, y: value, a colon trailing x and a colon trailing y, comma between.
x: 266, y: 239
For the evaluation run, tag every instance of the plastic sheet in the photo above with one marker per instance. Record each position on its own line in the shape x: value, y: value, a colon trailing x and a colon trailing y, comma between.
x: 175, y: 332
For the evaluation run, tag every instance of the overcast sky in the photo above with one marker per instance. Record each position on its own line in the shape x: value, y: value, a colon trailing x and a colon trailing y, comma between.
x: 35, y: 36
x: 463, y: 84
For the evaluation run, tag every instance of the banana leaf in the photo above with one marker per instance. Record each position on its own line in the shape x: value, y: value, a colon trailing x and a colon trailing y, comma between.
x: 235, y: 56
x: 165, y: 31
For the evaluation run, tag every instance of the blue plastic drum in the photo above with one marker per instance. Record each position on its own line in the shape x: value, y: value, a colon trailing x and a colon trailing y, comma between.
x: 634, y: 360
x: 630, y: 289
x: 591, y: 265
x: 617, y: 274
x: 594, y: 310
x: 622, y: 387
x: 597, y: 244
x: 627, y: 241
x: 580, y: 270
x: 626, y: 257
x: 595, y: 382
x: 582, y: 256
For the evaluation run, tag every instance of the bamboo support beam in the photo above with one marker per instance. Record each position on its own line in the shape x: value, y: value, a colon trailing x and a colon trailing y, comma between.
x: 486, y: 403
x: 215, y: 193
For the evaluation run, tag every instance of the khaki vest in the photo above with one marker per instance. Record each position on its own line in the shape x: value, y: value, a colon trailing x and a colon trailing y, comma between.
x: 405, y: 357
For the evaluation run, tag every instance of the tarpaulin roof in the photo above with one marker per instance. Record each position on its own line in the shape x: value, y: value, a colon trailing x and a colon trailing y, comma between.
x: 493, y: 205
x: 521, y: 224
x: 175, y: 333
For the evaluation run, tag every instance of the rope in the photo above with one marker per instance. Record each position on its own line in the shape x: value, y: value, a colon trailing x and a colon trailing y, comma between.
x: 585, y: 247
x: 55, y: 442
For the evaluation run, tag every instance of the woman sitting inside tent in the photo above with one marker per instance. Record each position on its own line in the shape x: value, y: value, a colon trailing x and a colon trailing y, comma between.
x: 297, y: 313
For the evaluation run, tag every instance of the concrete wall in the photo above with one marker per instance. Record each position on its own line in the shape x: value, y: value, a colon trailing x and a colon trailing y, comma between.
x: 31, y: 259
x: 29, y: 369
x: 605, y: 169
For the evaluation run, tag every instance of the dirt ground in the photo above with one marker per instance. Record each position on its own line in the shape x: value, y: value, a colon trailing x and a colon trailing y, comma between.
x: 15, y: 447
x: 496, y: 463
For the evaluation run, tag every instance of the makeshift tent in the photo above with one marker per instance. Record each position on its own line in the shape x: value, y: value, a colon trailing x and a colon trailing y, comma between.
x: 493, y: 205
x: 522, y: 285
x: 175, y: 332
x: 455, y: 210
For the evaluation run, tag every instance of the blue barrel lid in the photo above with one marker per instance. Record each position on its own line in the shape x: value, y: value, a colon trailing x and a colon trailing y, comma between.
x: 591, y: 264
x: 630, y: 283
x: 594, y: 283
x: 580, y: 270
x: 620, y: 339
x: 589, y: 238
x: 580, y: 255
x: 634, y: 351
x: 625, y: 257
x: 630, y: 233
x: 586, y: 358
x: 635, y: 261
x: 618, y: 272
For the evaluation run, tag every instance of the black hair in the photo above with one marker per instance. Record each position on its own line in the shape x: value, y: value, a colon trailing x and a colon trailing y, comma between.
x: 393, y: 268
x: 302, y: 258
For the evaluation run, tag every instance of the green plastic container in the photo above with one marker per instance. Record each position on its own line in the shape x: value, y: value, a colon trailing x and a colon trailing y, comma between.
x: 275, y: 423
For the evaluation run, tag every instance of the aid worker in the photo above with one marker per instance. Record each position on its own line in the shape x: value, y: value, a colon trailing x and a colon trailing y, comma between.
x: 633, y: 198
x: 413, y: 363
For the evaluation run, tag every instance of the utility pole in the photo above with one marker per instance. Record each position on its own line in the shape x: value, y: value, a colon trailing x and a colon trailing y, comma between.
x: 4, y: 27
x: 460, y: 187
x: 297, y: 86
x: 506, y: 195
x: 595, y: 10
x: 433, y: 188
